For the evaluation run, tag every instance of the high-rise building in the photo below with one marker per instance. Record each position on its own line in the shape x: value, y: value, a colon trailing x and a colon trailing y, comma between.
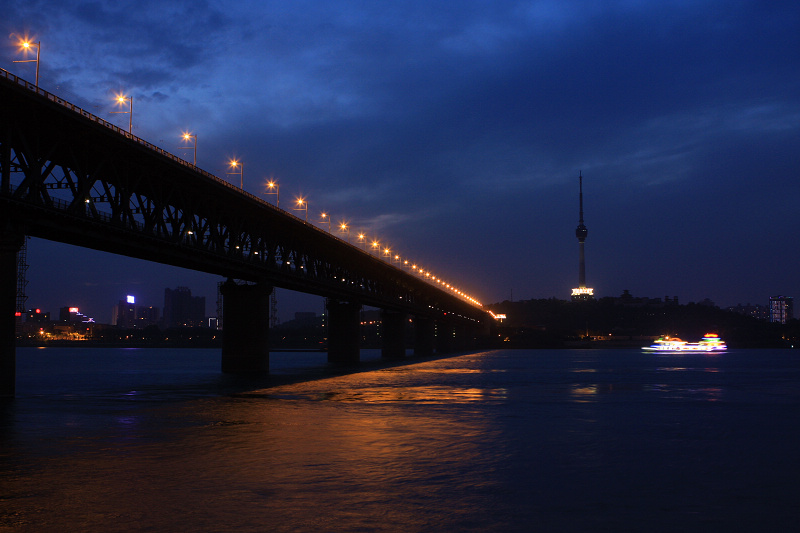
x: 124, y: 313
x: 181, y: 309
x: 781, y: 309
x: 581, y: 292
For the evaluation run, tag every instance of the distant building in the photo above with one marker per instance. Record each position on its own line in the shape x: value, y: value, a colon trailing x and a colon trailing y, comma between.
x: 37, y: 316
x: 581, y: 292
x: 181, y: 309
x: 123, y: 314
x: 147, y: 316
x: 72, y: 315
x: 781, y: 309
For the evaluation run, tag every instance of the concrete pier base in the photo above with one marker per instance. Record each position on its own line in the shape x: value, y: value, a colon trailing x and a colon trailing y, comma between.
x: 245, y: 334
x: 393, y: 334
x: 10, y: 244
x: 344, y: 331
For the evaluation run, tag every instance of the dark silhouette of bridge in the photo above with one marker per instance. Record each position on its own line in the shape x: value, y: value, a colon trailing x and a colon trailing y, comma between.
x: 72, y: 177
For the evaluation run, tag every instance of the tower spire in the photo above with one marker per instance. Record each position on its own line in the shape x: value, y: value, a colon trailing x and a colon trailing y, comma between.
x: 580, y: 195
x: 581, y: 292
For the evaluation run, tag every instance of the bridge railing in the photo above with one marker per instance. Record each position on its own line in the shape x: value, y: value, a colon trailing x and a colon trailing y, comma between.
x: 94, y: 118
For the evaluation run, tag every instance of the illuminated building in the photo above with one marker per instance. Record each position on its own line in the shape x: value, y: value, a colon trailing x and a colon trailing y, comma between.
x: 781, y: 309
x: 581, y: 292
x: 72, y: 315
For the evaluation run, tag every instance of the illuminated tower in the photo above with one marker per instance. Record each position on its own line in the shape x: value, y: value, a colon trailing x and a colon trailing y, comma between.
x: 582, y: 292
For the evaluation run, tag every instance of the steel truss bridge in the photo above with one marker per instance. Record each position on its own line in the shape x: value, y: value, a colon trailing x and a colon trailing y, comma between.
x: 72, y: 177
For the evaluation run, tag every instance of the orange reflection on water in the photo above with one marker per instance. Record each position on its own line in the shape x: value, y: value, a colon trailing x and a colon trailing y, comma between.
x: 419, y: 394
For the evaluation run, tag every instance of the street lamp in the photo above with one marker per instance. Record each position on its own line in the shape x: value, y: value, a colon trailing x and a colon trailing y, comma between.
x: 186, y: 137
x: 272, y: 184
x: 122, y: 99
x: 325, y: 219
x: 302, y: 205
x: 362, y: 239
x: 344, y: 228
x: 235, y: 163
x: 376, y: 246
x: 26, y: 45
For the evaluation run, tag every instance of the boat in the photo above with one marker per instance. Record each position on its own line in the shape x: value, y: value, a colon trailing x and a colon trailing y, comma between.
x: 711, y: 342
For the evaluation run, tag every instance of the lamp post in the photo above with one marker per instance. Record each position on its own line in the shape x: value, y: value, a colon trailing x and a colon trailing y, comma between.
x: 362, y: 239
x: 302, y: 205
x: 235, y: 163
x: 344, y: 228
x: 122, y: 99
x: 186, y: 137
x: 272, y: 184
x: 26, y: 45
x: 325, y: 219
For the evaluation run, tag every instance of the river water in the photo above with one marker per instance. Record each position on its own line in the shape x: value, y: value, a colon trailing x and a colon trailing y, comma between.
x: 508, y: 440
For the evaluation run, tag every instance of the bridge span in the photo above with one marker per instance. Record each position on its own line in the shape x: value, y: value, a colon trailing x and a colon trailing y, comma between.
x: 69, y: 176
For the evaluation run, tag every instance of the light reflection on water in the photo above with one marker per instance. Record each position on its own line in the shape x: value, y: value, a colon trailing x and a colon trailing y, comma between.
x: 497, y: 441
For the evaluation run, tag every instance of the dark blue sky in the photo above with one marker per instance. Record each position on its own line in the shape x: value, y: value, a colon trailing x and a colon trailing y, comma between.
x: 455, y: 131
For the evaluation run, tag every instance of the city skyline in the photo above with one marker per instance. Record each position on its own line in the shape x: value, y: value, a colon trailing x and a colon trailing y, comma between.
x: 456, y: 136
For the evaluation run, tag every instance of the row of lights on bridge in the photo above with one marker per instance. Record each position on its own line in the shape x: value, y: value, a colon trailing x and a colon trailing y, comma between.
x: 272, y: 187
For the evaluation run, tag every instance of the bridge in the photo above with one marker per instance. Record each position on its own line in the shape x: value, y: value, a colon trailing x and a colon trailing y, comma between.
x: 72, y: 177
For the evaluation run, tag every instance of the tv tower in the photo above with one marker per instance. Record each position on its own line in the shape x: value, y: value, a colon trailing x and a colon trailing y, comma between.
x: 582, y: 292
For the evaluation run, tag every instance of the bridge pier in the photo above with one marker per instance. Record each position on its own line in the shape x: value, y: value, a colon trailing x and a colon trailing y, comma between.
x: 393, y: 326
x: 245, y: 328
x: 10, y: 244
x: 424, y: 335
x: 344, y: 331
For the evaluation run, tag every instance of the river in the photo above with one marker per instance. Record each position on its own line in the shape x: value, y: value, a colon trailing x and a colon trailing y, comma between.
x: 506, y: 440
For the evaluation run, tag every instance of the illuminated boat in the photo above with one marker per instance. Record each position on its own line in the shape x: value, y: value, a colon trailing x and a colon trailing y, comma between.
x: 709, y: 343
